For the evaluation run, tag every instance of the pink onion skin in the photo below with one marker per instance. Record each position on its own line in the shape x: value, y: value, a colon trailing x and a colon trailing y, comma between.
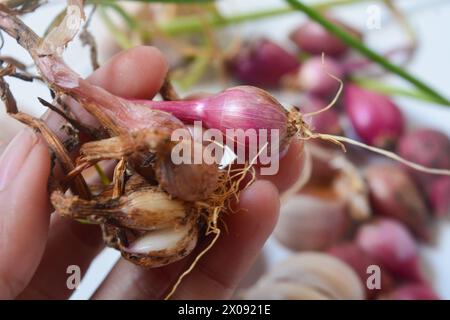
x: 325, y: 122
x: 439, y: 196
x: 314, y: 76
x: 413, y: 291
x: 427, y: 147
x: 359, y: 260
x: 242, y: 107
x: 311, y: 37
x: 390, y: 243
x: 263, y: 63
x: 375, y: 118
x: 125, y: 114
x: 393, y: 194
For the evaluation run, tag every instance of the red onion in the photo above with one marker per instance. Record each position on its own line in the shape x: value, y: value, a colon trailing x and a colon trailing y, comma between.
x: 314, y: 76
x: 314, y: 39
x: 391, y: 244
x: 394, y: 194
x: 439, y: 196
x: 427, y: 147
x: 413, y: 291
x: 325, y: 122
x: 263, y: 63
x: 243, y: 107
x: 375, y: 118
x: 359, y: 260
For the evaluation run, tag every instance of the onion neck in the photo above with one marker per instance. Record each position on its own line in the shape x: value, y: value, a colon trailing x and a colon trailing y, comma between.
x: 187, y: 111
x: 295, y: 123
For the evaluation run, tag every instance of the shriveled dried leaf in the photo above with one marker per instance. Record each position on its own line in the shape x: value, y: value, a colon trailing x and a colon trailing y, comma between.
x: 61, y: 35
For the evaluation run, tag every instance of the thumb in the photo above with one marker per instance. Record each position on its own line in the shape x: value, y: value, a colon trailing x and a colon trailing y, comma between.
x: 24, y: 210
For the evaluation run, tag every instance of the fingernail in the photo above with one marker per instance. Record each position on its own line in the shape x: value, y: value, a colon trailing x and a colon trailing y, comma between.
x: 14, y: 156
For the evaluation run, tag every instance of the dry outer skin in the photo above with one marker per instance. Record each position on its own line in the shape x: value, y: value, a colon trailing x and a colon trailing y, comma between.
x: 186, y: 239
x: 178, y: 180
x: 155, y: 248
x: 163, y: 230
x: 144, y: 208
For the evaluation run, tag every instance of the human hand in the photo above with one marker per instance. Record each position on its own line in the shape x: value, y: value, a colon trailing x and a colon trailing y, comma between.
x: 36, y: 248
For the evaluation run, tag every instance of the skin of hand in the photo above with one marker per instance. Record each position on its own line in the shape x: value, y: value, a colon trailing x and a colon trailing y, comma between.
x: 36, y: 247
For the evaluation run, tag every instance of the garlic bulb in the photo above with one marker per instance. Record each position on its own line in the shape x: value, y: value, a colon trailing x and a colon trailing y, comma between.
x: 161, y: 247
x: 309, y: 275
x: 312, y: 220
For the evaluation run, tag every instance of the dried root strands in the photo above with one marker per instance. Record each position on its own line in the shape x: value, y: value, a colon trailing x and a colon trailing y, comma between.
x: 5, y: 93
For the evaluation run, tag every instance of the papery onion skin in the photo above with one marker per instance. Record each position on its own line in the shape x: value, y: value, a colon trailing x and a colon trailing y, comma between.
x: 263, y: 63
x: 375, y: 118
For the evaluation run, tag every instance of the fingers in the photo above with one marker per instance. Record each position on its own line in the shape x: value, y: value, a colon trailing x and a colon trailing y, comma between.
x: 135, y: 73
x: 290, y: 167
x: 69, y: 243
x: 219, y: 271
x: 217, y: 276
x: 24, y: 210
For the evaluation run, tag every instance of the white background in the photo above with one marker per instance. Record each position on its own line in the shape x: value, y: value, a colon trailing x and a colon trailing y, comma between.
x: 431, y: 21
